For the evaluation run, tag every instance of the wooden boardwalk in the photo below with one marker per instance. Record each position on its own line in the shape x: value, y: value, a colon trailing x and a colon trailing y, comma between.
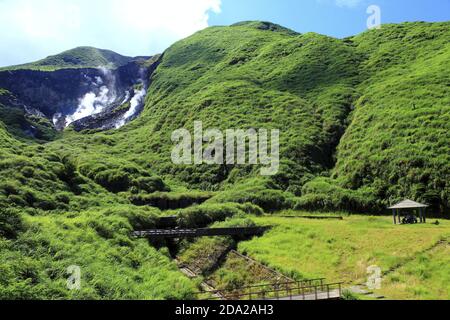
x: 197, y: 233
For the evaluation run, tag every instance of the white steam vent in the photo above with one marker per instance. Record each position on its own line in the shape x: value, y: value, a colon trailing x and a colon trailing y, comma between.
x: 104, y: 95
x: 95, y: 102
x: 90, y: 104
x: 135, y: 103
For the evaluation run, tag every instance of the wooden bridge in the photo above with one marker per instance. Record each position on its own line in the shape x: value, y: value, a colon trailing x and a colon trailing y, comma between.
x: 315, y: 289
x: 197, y: 233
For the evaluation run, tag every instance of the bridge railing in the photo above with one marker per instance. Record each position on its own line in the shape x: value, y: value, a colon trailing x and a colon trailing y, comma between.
x: 203, y: 232
x: 315, y: 289
x: 316, y: 292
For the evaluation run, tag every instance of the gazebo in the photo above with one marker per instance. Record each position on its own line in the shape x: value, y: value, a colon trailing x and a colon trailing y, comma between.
x: 409, y: 205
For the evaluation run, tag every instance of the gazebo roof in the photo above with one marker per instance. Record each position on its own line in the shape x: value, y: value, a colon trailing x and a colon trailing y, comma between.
x: 408, y: 204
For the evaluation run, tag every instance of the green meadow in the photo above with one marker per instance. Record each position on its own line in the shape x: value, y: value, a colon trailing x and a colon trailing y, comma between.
x: 425, y: 277
x: 343, y: 250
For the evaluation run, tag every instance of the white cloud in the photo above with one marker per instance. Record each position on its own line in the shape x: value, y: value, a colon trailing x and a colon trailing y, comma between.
x: 32, y: 29
x: 342, y: 3
x: 348, y: 3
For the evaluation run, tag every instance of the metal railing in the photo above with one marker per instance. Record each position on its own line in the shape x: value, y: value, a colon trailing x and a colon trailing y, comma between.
x: 314, y: 289
x: 204, y: 232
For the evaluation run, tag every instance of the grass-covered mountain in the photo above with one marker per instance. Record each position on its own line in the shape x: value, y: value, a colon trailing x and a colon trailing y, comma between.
x: 57, y: 88
x: 364, y: 122
x: 81, y: 57
x: 358, y: 131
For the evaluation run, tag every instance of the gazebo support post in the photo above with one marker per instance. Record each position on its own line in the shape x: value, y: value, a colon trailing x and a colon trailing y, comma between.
x: 395, y: 215
x: 424, y: 215
x: 420, y: 214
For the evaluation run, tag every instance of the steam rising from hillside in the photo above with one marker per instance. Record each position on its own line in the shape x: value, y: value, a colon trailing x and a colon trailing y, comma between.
x: 96, y: 101
x: 105, y: 98
x: 135, y: 103
x: 89, y: 105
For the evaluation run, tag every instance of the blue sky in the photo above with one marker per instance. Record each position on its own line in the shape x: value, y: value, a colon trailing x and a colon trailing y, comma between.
x: 31, y: 30
x: 338, y: 18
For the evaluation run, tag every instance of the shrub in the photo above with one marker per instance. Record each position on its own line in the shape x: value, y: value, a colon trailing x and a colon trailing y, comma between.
x: 171, y: 201
x: 204, y: 215
x: 139, y: 218
x: 149, y: 184
x: 348, y: 295
x: 10, y: 223
x: 269, y: 200
x: 113, y: 180
x: 323, y: 194
x: 117, y: 178
x: 45, y: 204
x: 109, y: 227
x: 28, y: 172
x: 17, y: 200
x: 69, y: 171
x: 250, y: 208
x: 10, y: 187
x: 63, y: 197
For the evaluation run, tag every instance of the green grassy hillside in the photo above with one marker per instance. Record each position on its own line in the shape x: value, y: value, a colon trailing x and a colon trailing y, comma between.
x: 269, y: 78
x: 397, y: 144
x: 385, y: 92
x: 363, y: 120
x: 81, y: 57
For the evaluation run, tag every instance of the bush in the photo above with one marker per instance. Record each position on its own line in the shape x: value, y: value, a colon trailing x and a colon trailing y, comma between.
x: 236, y: 222
x: 139, y: 218
x: 17, y: 200
x: 149, y: 184
x: 113, y: 180
x: 10, y: 223
x: 122, y: 177
x: 348, y: 295
x: 28, y: 172
x: 109, y: 227
x: 250, y: 208
x: 323, y: 194
x: 170, y: 201
x: 46, y: 205
x: 69, y: 171
x: 268, y: 200
x: 10, y: 187
x: 63, y: 197
x: 204, y: 215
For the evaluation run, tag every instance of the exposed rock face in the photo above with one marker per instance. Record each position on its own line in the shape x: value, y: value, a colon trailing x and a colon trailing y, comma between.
x: 88, y: 98
x: 50, y: 92
x: 17, y: 116
x: 128, y: 107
